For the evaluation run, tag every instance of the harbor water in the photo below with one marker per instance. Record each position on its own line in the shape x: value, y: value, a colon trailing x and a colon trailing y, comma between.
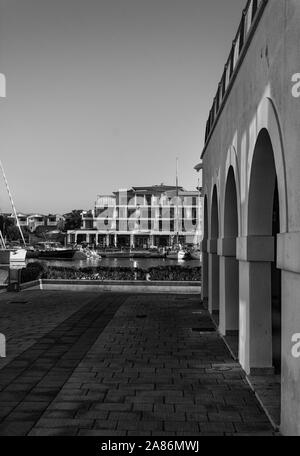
x: 142, y: 263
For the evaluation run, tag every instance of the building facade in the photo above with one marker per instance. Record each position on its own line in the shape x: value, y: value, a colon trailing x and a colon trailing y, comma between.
x: 142, y: 217
x: 33, y: 221
x: 251, y: 190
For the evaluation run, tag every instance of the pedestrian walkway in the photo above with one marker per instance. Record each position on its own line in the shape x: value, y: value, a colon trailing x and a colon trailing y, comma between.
x: 120, y: 364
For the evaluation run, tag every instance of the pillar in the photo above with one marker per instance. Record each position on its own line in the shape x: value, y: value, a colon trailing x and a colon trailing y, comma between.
x: 288, y: 260
x: 213, y: 275
x: 255, y: 254
x: 229, y: 286
x: 204, y: 279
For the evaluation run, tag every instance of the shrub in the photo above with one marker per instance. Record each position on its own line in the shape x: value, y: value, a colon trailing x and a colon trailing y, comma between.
x: 33, y: 271
x: 160, y: 273
x: 175, y: 273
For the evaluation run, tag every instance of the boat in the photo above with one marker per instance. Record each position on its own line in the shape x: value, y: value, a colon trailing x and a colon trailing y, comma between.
x: 18, y: 255
x: 156, y: 255
x: 53, y: 251
x: 116, y: 254
x: 146, y: 254
x: 179, y: 254
x: 195, y: 255
x: 90, y: 254
x: 12, y: 255
x: 85, y: 253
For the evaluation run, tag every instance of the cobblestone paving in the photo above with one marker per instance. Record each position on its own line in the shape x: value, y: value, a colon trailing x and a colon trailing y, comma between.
x: 26, y: 317
x: 129, y: 365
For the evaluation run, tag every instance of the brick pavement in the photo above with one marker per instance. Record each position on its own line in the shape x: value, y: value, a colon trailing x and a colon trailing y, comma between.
x: 128, y: 365
x: 25, y: 317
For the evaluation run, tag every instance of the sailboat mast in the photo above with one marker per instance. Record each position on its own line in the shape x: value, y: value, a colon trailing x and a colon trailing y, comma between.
x: 2, y: 240
x: 12, y: 203
x: 177, y: 194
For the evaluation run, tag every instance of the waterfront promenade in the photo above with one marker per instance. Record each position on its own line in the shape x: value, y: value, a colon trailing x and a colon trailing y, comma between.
x: 108, y: 364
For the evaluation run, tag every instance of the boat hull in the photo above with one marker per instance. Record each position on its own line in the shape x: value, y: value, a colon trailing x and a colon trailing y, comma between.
x: 12, y: 256
x: 66, y: 254
x: 177, y: 256
x: 195, y: 255
x: 115, y: 254
x: 18, y: 256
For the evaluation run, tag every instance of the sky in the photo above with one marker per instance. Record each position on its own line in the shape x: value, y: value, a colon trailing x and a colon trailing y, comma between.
x: 105, y: 94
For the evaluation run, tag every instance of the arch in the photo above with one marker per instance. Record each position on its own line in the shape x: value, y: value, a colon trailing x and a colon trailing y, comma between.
x: 214, y: 189
x: 261, y: 187
x: 265, y: 208
x: 214, y: 215
x: 232, y: 165
x: 267, y: 119
x: 229, y: 266
x: 231, y: 220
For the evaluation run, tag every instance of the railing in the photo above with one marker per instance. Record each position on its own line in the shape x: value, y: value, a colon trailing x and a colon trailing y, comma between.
x: 251, y: 14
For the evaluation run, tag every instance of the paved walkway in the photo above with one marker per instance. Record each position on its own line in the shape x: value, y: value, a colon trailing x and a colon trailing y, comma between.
x: 115, y: 364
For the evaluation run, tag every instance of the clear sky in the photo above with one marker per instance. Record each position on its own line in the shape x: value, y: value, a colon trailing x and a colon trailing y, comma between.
x: 105, y: 94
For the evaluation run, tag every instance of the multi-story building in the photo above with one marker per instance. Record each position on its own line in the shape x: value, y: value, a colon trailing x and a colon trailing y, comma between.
x: 55, y: 220
x: 33, y: 221
x: 142, y: 217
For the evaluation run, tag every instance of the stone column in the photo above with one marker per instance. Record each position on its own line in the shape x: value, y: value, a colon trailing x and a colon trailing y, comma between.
x: 288, y: 260
x: 213, y: 275
x: 204, y: 279
x: 229, y: 285
x: 107, y: 240
x: 255, y: 254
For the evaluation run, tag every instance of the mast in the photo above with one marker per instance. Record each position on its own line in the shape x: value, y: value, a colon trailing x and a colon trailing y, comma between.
x: 12, y: 203
x: 2, y: 240
x: 177, y: 194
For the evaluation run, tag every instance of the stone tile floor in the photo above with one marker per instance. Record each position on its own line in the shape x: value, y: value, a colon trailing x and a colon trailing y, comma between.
x: 117, y: 364
x: 268, y: 391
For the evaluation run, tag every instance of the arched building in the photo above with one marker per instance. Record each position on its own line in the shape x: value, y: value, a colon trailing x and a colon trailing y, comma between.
x: 251, y: 189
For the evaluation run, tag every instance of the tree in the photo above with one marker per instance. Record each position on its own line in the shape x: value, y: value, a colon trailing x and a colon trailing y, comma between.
x: 61, y: 225
x: 9, y: 229
x: 13, y: 233
x: 73, y: 220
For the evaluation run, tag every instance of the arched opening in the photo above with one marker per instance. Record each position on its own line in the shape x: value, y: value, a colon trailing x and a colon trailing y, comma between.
x: 230, y: 268
x: 205, y: 256
x: 265, y: 277
x: 230, y: 208
x: 214, y: 264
